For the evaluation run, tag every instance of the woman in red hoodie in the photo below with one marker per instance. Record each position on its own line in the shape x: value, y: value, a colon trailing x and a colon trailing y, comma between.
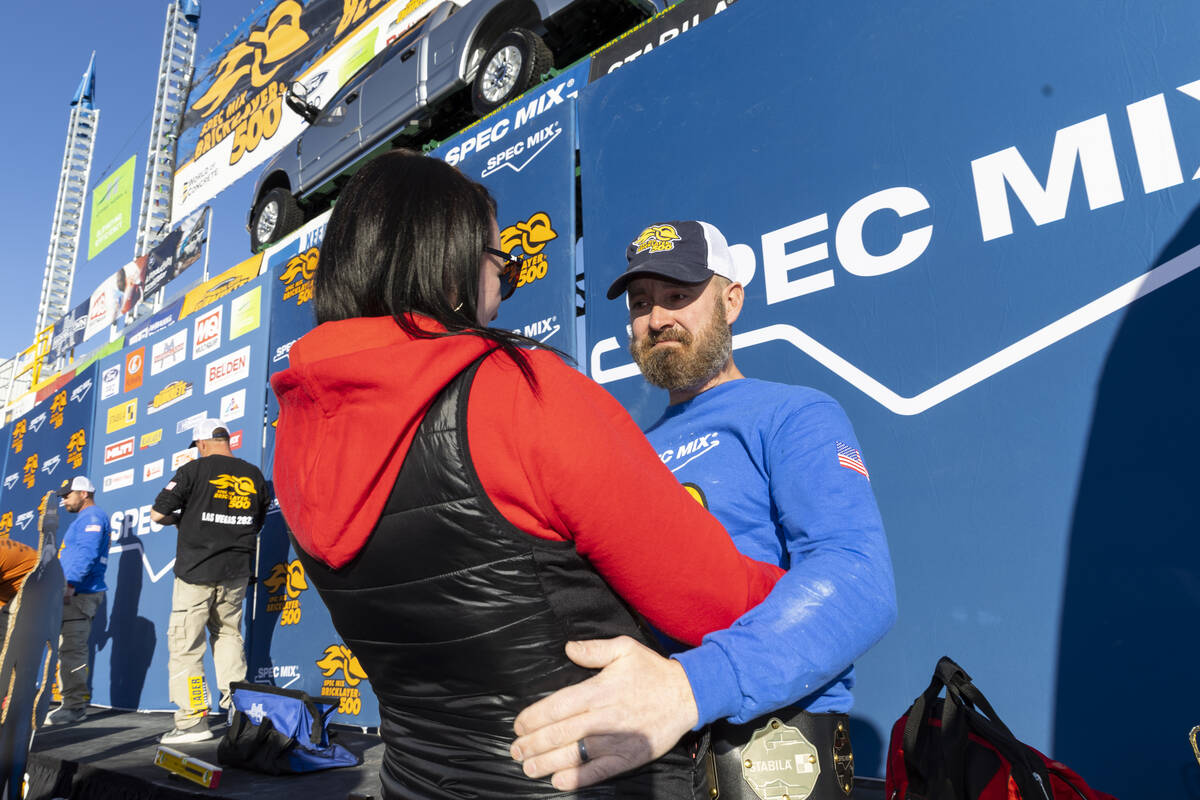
x: 466, y: 504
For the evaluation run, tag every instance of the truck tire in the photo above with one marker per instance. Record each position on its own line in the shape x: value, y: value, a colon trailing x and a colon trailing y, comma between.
x: 276, y: 215
x: 514, y: 62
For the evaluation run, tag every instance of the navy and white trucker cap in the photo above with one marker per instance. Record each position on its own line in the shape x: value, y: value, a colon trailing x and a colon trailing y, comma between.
x: 685, y: 251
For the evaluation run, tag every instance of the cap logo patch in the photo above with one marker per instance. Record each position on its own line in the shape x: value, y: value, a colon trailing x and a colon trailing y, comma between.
x: 657, y: 239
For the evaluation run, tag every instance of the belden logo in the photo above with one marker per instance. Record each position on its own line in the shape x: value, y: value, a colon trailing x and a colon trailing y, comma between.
x: 297, y: 277
x: 338, y: 658
x: 286, y: 582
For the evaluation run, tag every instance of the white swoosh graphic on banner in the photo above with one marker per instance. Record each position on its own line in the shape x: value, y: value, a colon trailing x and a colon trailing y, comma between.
x: 155, y: 577
x: 1016, y: 352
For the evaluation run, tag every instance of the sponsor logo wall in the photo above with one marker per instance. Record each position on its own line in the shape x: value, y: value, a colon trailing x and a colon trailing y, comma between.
x: 151, y: 395
x: 47, y: 445
x: 993, y: 270
x: 525, y: 155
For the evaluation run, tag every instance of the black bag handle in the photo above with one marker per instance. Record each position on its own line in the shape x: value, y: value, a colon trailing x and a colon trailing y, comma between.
x: 961, y: 711
x: 309, y: 701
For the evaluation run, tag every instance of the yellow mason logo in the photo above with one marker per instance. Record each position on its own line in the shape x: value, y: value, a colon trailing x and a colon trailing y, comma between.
x: 75, y: 448
x: 338, y: 657
x: 531, y: 235
x: 657, y: 239
x: 285, y: 583
x: 18, y: 436
x: 57, y: 406
x: 297, y: 277
x: 6, y: 523
x: 31, y: 465
x: 233, y: 489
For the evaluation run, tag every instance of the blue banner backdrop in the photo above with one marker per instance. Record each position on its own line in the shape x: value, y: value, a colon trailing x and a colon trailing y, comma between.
x: 43, y: 447
x: 211, y: 364
x: 293, y: 643
x: 525, y: 155
x: 979, y: 235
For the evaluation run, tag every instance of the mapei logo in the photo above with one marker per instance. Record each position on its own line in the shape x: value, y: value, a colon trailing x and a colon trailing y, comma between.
x: 234, y: 489
x: 657, y: 239
x: 31, y: 468
x: 11, y: 480
x: 18, y: 435
x: 75, y: 448
x: 286, y: 582
x: 51, y: 464
x: 57, y: 406
x: 80, y: 391
x: 37, y: 422
x: 25, y: 519
x: 297, y: 276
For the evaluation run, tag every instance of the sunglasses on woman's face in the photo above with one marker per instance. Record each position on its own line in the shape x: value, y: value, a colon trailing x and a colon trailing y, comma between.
x: 510, y: 271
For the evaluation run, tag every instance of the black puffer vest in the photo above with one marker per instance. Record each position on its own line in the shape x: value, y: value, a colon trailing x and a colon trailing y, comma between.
x: 460, y: 620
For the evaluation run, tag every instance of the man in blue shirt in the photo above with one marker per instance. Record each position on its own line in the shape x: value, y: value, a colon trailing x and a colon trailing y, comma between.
x: 780, y: 467
x: 84, y: 559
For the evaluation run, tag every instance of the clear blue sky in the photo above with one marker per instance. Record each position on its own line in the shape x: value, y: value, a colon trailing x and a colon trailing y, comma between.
x: 46, y: 51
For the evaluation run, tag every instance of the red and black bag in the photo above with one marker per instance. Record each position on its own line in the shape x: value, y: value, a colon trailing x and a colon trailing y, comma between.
x: 959, y: 749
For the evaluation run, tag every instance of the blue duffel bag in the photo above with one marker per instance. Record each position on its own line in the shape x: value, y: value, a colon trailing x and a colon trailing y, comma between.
x: 280, y: 731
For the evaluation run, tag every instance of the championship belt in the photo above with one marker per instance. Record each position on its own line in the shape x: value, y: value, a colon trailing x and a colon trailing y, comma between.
x: 788, y: 755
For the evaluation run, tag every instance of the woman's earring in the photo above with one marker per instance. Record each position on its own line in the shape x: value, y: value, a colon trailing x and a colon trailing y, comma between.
x: 458, y: 307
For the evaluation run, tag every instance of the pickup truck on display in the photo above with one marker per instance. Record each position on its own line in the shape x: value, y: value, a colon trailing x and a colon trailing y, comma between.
x: 461, y: 61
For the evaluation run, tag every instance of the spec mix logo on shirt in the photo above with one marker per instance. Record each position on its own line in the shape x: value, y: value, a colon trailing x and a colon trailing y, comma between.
x: 338, y: 658
x: 286, y: 582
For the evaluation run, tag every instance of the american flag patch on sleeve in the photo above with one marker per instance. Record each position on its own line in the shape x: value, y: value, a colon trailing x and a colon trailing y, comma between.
x: 850, y: 458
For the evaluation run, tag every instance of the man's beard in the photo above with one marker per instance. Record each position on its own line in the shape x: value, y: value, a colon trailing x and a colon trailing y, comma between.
x: 694, y: 363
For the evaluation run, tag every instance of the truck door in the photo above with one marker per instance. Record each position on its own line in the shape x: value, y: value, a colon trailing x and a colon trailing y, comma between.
x: 333, y: 136
x: 390, y: 97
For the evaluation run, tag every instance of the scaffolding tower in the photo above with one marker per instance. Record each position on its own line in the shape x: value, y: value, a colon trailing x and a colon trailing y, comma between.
x: 68, y: 207
x: 174, y: 79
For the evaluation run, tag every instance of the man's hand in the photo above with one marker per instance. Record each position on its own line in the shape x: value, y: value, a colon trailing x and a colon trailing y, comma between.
x: 631, y: 713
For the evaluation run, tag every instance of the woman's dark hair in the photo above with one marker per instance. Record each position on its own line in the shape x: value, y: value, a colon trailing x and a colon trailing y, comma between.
x: 406, y: 236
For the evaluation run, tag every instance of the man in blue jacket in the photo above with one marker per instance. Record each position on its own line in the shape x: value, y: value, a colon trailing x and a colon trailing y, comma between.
x: 84, y: 558
x: 780, y: 467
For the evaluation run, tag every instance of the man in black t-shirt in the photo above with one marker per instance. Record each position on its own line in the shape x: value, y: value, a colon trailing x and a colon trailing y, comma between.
x: 218, y: 503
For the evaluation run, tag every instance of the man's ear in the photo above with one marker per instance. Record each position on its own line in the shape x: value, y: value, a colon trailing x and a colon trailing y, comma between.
x: 735, y: 298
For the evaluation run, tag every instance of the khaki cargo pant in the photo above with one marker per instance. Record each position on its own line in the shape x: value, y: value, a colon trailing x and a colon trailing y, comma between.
x: 195, y: 609
x: 77, y: 615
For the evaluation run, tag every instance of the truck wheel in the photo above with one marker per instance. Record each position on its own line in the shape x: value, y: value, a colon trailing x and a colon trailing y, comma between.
x: 515, y: 61
x: 276, y: 215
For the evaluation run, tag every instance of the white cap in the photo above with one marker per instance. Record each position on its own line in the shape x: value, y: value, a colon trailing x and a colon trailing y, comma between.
x: 209, y: 428
x: 79, y: 483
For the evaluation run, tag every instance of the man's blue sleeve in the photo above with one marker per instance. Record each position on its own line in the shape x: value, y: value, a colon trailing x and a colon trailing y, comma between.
x: 81, y: 545
x: 838, y: 597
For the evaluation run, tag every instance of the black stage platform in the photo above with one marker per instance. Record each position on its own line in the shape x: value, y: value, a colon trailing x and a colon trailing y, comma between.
x: 111, y: 755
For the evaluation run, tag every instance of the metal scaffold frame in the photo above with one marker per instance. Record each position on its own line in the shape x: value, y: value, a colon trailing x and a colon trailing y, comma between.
x: 174, y: 78
x: 67, y: 226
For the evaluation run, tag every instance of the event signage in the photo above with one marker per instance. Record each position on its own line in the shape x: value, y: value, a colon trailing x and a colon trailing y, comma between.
x: 181, y: 248
x: 675, y: 21
x: 236, y: 117
x: 980, y: 239
x: 43, y: 448
x: 152, y: 428
x: 112, y: 208
x: 526, y: 161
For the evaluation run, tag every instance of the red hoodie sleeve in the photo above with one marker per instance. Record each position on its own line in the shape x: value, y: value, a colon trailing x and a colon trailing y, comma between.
x: 569, y: 463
